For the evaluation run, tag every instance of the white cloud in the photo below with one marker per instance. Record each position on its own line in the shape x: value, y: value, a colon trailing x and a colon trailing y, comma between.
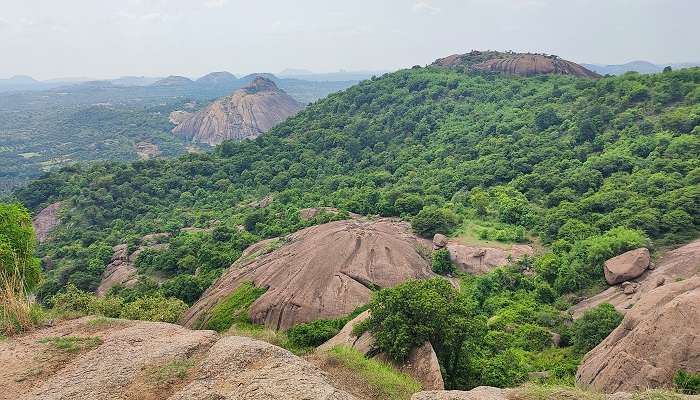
x: 425, y: 6
x: 215, y: 3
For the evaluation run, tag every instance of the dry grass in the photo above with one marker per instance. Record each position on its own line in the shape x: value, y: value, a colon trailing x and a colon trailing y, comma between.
x: 17, y: 314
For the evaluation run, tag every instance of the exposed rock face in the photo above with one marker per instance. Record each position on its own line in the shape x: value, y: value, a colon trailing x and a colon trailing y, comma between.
x: 118, y: 368
x: 308, y: 213
x: 247, y: 113
x: 681, y: 263
x: 146, y: 150
x: 324, y: 271
x: 626, y: 266
x: 524, y: 64
x: 178, y: 117
x: 121, y: 270
x: 439, y: 241
x: 421, y: 363
x: 658, y: 336
x: 478, y: 393
x: 479, y: 260
x: 46, y: 220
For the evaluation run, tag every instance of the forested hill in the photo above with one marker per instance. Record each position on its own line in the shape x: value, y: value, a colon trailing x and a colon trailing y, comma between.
x: 563, y: 157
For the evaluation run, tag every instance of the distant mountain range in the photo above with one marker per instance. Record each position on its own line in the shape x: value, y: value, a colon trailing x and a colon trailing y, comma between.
x: 643, y: 67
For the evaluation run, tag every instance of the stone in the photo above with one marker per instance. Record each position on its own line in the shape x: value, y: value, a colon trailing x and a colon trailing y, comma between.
x: 658, y: 336
x: 324, y: 271
x: 626, y: 266
x: 45, y: 221
x: 479, y: 260
x: 478, y: 393
x: 439, y: 241
x: 629, y: 287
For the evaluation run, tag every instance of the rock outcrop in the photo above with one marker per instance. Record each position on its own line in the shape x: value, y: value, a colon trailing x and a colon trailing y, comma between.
x: 422, y: 363
x: 179, y: 116
x: 247, y: 113
x: 657, y: 337
x: 479, y: 260
x: 309, y: 213
x: 626, y: 266
x: 324, y: 271
x: 46, y: 220
x: 130, y: 359
x: 680, y: 263
x: 523, y: 64
x: 146, y: 150
x: 478, y: 393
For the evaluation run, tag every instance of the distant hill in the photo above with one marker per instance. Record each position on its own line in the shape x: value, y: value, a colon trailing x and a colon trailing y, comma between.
x: 510, y: 63
x: 173, y: 80
x: 246, y: 113
x: 217, y: 78
x: 329, y: 76
x: 643, y: 67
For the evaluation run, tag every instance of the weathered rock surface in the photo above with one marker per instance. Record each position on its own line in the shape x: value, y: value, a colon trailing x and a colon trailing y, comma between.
x: 324, y: 271
x: 478, y: 393
x: 178, y: 117
x: 247, y: 113
x: 146, y: 150
x: 421, y: 363
x: 658, y: 336
x: 439, y: 241
x: 626, y: 266
x: 121, y: 270
x: 524, y: 64
x: 308, y: 213
x: 121, y: 367
x: 680, y: 263
x: 479, y: 260
x: 46, y: 220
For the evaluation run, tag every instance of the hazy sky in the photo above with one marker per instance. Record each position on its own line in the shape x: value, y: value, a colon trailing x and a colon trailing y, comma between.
x: 109, y: 38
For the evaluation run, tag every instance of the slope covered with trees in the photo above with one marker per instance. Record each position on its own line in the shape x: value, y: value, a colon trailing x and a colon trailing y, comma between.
x: 591, y: 167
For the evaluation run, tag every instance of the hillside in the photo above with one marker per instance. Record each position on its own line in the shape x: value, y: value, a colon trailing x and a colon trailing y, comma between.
x: 245, y: 114
x: 121, y: 120
x: 581, y: 169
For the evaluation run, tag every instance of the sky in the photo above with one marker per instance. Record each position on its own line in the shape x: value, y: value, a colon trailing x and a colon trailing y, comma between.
x: 110, y: 38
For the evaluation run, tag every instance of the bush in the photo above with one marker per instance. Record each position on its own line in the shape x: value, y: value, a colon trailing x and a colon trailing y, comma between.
x: 234, y: 308
x: 594, y: 326
x: 155, y: 308
x: 314, y: 333
x: 431, y: 220
x: 686, y: 382
x: 441, y: 262
x: 76, y: 300
x: 531, y: 337
x: 508, y: 368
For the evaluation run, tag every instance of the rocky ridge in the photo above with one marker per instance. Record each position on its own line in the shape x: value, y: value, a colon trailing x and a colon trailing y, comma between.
x: 247, y: 113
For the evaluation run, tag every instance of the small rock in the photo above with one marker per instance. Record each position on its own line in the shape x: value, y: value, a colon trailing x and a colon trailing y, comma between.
x: 439, y: 241
x: 538, y: 375
x: 651, y: 266
x: 556, y: 339
x: 629, y: 287
x: 660, y: 281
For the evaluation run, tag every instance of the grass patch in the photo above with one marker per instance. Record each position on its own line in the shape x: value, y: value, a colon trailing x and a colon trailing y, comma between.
x: 170, y: 372
x: 234, y: 308
x: 554, y: 392
x: 471, y: 233
x: 388, y: 382
x: 71, y: 344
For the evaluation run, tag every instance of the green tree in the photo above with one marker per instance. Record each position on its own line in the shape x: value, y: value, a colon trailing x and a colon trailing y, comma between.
x: 594, y: 326
x: 18, y: 246
x: 441, y: 262
x: 431, y: 220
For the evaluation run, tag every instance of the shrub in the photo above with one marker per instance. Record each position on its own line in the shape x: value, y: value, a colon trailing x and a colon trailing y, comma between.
x: 431, y: 220
x: 508, y: 368
x: 686, y: 382
x: 314, y: 333
x: 234, y: 308
x: 154, y: 308
x: 76, y: 300
x: 594, y: 326
x: 531, y: 337
x: 441, y: 262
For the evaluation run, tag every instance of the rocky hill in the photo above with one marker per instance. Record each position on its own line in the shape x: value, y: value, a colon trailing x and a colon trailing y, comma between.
x: 325, y: 271
x: 218, y: 78
x: 523, y: 64
x: 247, y: 113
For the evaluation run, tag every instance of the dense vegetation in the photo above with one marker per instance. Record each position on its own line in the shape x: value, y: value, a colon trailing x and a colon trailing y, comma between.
x: 590, y: 168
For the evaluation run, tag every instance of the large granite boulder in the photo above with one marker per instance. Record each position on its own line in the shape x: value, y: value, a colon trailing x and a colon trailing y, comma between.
x: 657, y: 337
x: 325, y: 271
x: 626, y: 266
x: 482, y: 259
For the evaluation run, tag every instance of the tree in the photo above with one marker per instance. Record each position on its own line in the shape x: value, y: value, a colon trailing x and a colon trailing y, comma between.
x: 431, y: 220
x: 594, y: 326
x: 18, y: 246
x: 441, y: 262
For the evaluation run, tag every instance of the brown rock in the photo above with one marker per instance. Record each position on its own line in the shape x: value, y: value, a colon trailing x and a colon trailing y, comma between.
x: 146, y: 150
x: 363, y: 343
x: 308, y: 213
x: 680, y: 263
x: 478, y: 393
x: 119, y: 271
x: 626, y: 266
x: 247, y: 113
x: 657, y: 337
x: 46, y: 220
x: 178, y: 117
x: 479, y: 260
x: 324, y: 271
x: 628, y: 287
x: 439, y: 241
x: 225, y: 368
